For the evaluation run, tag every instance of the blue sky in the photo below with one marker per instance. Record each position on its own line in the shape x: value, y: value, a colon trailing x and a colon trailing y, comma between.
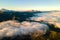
x: 30, y: 4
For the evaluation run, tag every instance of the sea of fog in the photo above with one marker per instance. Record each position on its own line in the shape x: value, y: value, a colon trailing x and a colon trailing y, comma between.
x: 41, y: 14
x: 38, y: 25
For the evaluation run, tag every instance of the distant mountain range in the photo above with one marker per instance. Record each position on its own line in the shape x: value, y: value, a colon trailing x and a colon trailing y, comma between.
x: 35, y: 11
x: 16, y: 15
x: 6, y: 10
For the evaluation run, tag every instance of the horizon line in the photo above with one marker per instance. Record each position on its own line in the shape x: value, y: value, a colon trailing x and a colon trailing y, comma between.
x: 27, y: 9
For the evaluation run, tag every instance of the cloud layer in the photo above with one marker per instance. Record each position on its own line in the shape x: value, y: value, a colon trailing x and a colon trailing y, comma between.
x: 51, y: 18
x: 14, y: 28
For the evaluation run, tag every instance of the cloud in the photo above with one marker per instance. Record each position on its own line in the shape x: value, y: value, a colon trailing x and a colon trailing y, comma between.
x: 14, y: 28
x: 51, y: 18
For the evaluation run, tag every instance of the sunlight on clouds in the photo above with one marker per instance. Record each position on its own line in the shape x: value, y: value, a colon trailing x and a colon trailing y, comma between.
x: 7, y: 29
x: 52, y: 18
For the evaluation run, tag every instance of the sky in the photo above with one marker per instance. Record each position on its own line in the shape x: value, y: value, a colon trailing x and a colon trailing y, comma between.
x: 30, y: 4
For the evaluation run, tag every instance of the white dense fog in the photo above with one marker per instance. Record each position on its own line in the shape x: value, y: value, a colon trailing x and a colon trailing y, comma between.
x: 51, y: 18
x: 13, y: 28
